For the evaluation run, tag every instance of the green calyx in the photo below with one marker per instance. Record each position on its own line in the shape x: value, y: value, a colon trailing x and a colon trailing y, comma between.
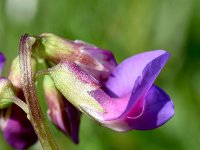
x: 15, y: 74
x: 75, y: 86
x: 6, y: 93
x: 51, y: 47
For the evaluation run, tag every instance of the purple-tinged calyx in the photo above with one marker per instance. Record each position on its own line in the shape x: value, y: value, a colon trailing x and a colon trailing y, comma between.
x: 74, y: 84
x: 136, y: 104
x: 63, y: 114
x: 97, y: 62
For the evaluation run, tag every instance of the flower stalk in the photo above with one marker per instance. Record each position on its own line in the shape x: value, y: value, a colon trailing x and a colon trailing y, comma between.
x: 35, y: 113
x: 21, y: 104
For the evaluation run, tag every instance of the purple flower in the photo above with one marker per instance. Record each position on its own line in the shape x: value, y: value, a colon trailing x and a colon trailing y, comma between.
x: 16, y: 128
x: 128, y: 100
x: 121, y: 97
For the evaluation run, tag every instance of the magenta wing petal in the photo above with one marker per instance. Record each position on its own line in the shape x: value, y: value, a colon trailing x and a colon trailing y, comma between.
x: 2, y: 61
x: 158, y: 109
x: 18, y: 131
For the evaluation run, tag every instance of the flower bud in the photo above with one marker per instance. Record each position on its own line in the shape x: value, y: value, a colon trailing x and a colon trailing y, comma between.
x: 97, y: 62
x: 63, y: 114
x: 15, y: 74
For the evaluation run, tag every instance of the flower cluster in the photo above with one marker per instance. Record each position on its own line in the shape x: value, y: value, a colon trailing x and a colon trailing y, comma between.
x: 15, y: 126
x: 81, y: 78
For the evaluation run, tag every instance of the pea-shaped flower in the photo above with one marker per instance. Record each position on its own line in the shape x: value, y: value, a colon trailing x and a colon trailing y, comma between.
x: 125, y: 99
x: 128, y: 100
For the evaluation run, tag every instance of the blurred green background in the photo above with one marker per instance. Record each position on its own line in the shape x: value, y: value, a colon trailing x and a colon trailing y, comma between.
x: 125, y: 27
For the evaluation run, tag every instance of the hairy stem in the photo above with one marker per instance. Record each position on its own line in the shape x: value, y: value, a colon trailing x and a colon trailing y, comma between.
x: 35, y: 113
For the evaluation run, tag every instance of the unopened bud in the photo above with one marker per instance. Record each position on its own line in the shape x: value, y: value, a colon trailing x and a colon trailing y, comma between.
x: 97, y: 62
x: 15, y: 74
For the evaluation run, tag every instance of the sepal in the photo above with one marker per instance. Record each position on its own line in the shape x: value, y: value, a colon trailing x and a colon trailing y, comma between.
x: 6, y: 93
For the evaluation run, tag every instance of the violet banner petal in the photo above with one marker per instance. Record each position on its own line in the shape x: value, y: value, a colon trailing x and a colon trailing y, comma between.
x: 136, y: 75
x: 2, y: 61
x: 18, y: 131
x: 131, y: 71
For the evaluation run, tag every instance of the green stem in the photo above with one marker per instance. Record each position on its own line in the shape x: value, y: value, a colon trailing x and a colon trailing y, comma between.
x: 21, y: 104
x: 36, y: 116
x: 41, y: 73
